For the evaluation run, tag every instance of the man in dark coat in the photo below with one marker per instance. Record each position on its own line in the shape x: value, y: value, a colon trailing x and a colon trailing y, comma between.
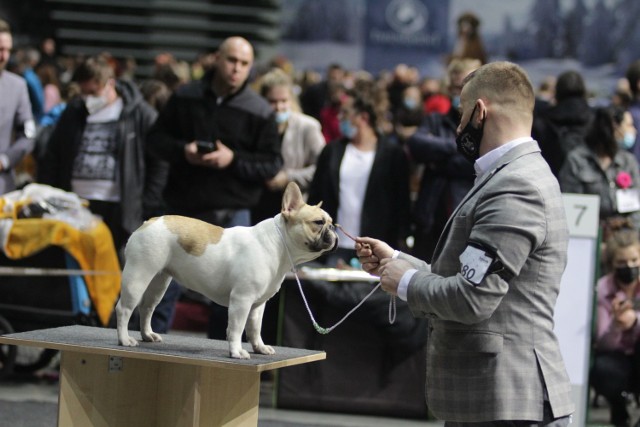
x: 222, y: 143
x: 99, y: 151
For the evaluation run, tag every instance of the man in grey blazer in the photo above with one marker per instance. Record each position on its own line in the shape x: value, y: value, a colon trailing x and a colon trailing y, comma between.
x: 493, y: 358
x: 17, y: 128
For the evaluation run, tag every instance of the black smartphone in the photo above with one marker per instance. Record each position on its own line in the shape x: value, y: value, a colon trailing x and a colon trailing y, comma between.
x: 205, y: 147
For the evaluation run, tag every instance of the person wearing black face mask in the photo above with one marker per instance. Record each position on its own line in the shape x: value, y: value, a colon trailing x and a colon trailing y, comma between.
x: 626, y: 275
x: 491, y: 288
x: 616, y: 366
x: 469, y: 139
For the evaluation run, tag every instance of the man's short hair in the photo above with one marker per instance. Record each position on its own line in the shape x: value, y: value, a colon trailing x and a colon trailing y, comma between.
x: 94, y: 68
x: 503, y: 83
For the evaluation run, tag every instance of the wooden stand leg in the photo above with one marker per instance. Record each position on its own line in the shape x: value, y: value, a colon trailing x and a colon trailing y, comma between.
x: 136, y: 392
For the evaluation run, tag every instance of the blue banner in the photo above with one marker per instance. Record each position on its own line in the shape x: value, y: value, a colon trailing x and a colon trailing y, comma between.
x: 413, y: 32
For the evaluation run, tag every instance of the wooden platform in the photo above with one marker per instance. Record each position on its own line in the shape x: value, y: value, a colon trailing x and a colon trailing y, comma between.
x: 183, y: 381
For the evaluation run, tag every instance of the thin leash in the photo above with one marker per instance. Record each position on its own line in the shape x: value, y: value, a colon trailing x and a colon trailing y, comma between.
x: 318, y: 328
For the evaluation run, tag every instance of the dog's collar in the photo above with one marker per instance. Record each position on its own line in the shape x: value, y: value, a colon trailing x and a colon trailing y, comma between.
x: 286, y: 248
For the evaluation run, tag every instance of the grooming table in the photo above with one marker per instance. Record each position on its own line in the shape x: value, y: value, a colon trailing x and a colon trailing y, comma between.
x: 183, y: 381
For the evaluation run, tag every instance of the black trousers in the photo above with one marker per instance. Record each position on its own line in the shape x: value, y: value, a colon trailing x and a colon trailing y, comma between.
x: 613, y: 373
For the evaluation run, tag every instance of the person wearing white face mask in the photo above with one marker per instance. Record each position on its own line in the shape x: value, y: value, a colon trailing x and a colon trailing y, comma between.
x: 98, y: 151
x: 301, y: 138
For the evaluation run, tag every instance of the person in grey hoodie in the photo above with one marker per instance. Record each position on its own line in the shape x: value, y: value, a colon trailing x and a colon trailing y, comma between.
x: 99, y: 151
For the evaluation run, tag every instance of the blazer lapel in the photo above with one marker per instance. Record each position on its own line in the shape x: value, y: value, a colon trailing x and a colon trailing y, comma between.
x: 516, y: 152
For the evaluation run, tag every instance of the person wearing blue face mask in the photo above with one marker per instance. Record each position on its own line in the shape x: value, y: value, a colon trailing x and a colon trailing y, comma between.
x: 601, y: 166
x: 301, y: 138
x: 627, y: 140
x: 410, y: 114
x: 626, y: 132
x: 362, y: 180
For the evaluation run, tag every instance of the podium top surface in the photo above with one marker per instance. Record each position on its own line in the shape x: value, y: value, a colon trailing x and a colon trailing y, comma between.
x: 173, y: 349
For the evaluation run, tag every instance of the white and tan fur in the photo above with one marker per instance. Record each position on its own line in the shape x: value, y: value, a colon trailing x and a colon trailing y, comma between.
x: 238, y: 267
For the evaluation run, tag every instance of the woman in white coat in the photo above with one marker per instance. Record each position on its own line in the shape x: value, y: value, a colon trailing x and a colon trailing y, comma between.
x: 301, y: 138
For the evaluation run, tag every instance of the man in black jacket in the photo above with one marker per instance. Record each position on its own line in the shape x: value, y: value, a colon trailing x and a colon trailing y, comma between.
x: 218, y: 186
x: 98, y: 150
x: 447, y: 176
x: 222, y: 143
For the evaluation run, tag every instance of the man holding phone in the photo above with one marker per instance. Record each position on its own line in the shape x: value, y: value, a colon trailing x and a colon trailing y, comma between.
x: 221, y: 140
x: 205, y: 147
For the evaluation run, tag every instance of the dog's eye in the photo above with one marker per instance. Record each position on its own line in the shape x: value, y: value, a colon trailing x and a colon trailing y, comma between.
x: 319, y: 222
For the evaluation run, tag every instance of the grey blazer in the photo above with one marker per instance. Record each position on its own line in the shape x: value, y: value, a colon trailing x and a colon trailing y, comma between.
x: 492, y: 350
x: 17, y: 128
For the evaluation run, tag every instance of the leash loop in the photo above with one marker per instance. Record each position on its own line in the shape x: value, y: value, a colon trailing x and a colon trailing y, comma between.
x: 318, y: 328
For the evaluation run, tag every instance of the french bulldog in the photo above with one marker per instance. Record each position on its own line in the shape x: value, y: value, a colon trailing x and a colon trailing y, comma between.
x: 238, y: 267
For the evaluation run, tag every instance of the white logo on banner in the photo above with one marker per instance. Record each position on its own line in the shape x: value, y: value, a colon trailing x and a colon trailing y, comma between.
x: 407, y: 16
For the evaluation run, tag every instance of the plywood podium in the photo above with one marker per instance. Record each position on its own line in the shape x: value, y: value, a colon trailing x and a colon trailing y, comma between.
x: 183, y: 381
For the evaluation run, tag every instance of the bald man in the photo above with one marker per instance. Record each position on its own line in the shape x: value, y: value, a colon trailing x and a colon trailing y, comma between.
x: 222, y: 142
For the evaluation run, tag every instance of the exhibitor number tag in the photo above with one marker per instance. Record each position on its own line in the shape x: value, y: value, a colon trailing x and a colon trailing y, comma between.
x: 628, y: 200
x: 475, y: 264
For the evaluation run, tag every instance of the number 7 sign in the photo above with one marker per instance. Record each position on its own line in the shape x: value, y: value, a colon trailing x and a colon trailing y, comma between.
x: 583, y: 211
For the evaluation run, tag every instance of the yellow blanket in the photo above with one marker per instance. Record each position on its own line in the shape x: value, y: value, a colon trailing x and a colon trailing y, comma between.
x: 93, y: 249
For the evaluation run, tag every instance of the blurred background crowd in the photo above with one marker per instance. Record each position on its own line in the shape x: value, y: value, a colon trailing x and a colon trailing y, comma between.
x: 378, y: 148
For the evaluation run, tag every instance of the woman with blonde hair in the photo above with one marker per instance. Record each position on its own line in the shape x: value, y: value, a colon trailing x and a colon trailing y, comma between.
x: 301, y: 138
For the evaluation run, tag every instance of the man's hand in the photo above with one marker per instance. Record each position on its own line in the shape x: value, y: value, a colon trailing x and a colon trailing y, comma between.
x: 219, y: 159
x: 278, y: 182
x: 370, y: 252
x: 391, y: 271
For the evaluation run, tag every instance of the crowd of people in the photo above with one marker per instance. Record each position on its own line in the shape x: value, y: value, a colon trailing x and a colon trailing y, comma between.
x: 219, y: 139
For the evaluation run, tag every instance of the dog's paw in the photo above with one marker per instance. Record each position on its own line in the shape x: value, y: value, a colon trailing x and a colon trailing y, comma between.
x: 240, y: 354
x: 264, y: 349
x: 151, y: 337
x: 129, y: 342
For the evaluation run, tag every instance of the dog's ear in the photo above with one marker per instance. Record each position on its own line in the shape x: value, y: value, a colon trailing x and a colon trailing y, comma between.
x: 292, y: 200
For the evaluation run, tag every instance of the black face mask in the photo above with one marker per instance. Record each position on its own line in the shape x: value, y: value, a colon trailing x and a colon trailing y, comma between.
x: 468, y: 142
x: 627, y: 275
